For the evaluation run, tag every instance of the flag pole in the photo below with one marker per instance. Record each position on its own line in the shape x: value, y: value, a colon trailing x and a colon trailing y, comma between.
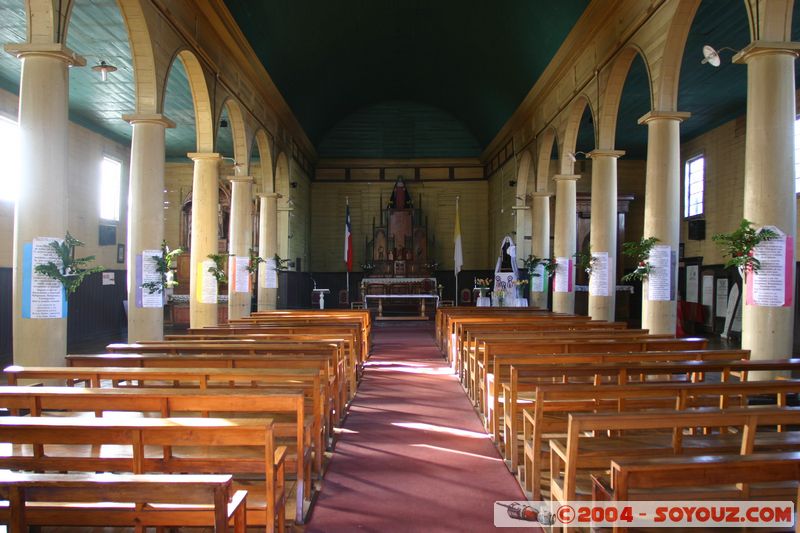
x: 347, y: 201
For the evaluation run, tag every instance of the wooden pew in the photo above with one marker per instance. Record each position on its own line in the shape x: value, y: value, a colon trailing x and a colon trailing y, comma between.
x: 286, y: 410
x: 72, y: 500
x: 188, y: 445
x: 513, y: 393
x: 445, y: 316
x: 485, y: 380
x: 549, y: 414
x: 636, y: 478
x: 309, y: 380
x: 581, y: 452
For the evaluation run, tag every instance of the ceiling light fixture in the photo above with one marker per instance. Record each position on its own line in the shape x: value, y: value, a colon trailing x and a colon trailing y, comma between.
x: 711, y: 56
x: 104, y: 68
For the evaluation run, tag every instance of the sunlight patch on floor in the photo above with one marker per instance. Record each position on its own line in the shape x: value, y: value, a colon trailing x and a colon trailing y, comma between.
x: 459, y: 452
x: 442, y: 429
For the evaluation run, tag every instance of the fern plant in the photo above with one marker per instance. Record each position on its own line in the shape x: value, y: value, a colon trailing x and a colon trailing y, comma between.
x: 640, y: 251
x: 165, y: 266
x: 281, y: 264
x: 585, y: 261
x: 71, y: 271
x: 218, y: 270
x: 255, y: 260
x: 738, y: 245
x: 531, y: 262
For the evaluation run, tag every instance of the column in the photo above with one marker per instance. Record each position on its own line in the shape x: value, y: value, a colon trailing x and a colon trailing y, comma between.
x: 241, y: 240
x: 145, y: 217
x: 205, y: 234
x: 267, y: 247
x: 565, y: 236
x: 769, y: 180
x: 604, y: 228
x: 662, y: 207
x: 540, y: 240
x: 41, y: 209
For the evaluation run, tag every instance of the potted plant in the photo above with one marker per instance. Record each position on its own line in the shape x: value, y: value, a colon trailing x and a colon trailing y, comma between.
x: 253, y: 262
x: 640, y: 251
x: 738, y: 246
x: 281, y: 264
x: 218, y: 270
x: 165, y: 266
x: 71, y: 271
x: 585, y: 261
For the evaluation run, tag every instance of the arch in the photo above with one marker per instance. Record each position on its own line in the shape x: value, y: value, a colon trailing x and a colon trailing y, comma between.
x: 144, y: 64
x: 284, y: 208
x: 264, y: 177
x: 572, y: 125
x: 203, y: 115
x: 547, y: 141
x: 42, y: 26
x: 770, y: 21
x: 665, y: 90
x: 612, y: 95
x: 241, y: 150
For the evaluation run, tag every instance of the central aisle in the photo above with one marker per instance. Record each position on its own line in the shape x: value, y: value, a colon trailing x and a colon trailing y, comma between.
x: 412, y: 455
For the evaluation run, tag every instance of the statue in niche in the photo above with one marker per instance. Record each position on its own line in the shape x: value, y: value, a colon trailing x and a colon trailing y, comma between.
x: 400, y: 199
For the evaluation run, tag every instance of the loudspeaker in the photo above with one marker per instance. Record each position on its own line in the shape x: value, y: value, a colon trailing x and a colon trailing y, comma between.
x: 697, y: 230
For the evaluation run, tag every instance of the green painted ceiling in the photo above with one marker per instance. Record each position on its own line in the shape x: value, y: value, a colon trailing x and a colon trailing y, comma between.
x: 431, y: 78
x: 474, y: 59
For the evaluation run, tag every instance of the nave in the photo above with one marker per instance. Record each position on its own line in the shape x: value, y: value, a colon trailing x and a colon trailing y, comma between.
x: 412, y: 455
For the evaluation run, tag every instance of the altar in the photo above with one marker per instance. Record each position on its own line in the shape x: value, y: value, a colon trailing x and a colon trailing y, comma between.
x: 398, y: 271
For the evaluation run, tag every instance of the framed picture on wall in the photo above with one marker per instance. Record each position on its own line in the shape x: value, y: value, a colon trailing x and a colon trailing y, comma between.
x: 120, y: 253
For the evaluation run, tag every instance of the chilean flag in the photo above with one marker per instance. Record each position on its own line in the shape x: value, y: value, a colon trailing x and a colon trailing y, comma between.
x: 348, y: 241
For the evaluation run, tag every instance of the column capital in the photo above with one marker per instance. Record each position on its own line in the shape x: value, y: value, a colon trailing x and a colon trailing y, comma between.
x: 605, y: 153
x: 759, y: 48
x: 566, y: 177
x: 275, y: 195
x: 650, y: 116
x: 52, y: 50
x: 541, y: 194
x: 155, y: 118
x: 240, y: 179
x: 200, y: 156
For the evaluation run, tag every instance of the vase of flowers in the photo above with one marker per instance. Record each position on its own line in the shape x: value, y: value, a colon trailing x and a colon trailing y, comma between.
x: 640, y: 251
x: 738, y: 246
x: 482, y: 285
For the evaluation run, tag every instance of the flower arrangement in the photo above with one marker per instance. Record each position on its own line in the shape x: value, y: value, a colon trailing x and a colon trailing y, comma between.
x: 585, y: 261
x: 531, y: 262
x: 71, y: 272
x: 218, y: 270
x: 281, y: 264
x: 640, y: 251
x: 738, y: 245
x: 483, y: 283
x: 520, y: 282
x: 432, y: 265
x: 367, y: 267
x: 254, y: 261
x: 165, y: 266
x: 550, y: 266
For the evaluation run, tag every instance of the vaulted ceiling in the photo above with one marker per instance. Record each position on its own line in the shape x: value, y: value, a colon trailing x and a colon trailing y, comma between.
x: 403, y: 78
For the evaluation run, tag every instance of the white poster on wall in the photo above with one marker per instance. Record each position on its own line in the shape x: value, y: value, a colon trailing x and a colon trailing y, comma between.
x: 659, y: 279
x: 537, y: 282
x: 44, y: 297
x: 207, y: 288
x: 150, y: 274
x: 563, y: 281
x: 708, y: 290
x: 722, y: 297
x: 770, y: 286
x: 242, y: 275
x: 270, y: 280
x: 692, y: 282
x: 598, y: 281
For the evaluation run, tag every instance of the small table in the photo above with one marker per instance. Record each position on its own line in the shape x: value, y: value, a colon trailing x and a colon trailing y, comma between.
x: 420, y: 297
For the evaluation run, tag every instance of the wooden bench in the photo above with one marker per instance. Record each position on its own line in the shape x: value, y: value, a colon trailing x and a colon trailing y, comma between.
x: 309, y: 380
x: 484, y: 380
x: 549, y: 413
x: 284, y: 361
x: 240, y: 447
x: 139, y: 500
x: 286, y: 410
x: 637, y: 478
x: 578, y: 451
x: 510, y: 393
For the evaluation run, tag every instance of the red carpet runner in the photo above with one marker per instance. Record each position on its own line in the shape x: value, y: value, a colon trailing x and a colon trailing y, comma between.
x: 413, y: 455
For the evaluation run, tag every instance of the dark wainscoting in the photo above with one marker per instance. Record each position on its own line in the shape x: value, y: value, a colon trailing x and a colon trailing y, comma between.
x: 95, y: 311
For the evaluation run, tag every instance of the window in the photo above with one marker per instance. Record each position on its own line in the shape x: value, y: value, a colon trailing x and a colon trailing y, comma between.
x: 110, y: 178
x: 9, y: 160
x: 797, y: 154
x: 693, y: 185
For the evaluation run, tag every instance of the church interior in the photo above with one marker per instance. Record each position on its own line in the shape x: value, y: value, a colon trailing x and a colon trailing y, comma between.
x: 424, y: 257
